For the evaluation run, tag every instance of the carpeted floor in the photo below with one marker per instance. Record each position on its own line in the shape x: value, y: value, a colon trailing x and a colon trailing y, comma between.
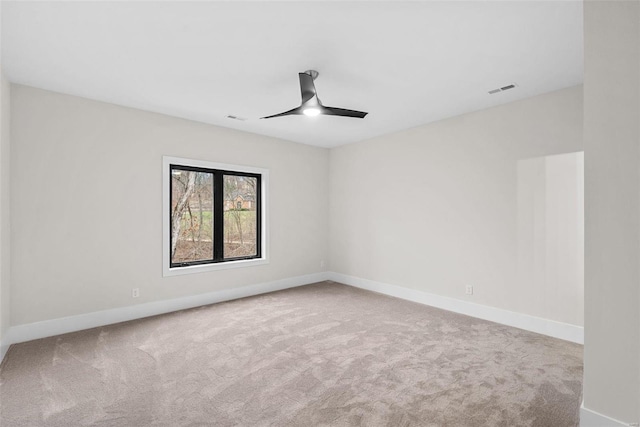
x: 319, y: 355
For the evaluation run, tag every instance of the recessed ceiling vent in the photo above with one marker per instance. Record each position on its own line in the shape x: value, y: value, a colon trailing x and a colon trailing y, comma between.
x: 232, y: 117
x: 502, y: 89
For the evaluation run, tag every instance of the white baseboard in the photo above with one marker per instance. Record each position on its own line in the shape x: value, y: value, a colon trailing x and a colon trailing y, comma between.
x: 48, y: 328
x: 551, y: 328
x: 589, y: 418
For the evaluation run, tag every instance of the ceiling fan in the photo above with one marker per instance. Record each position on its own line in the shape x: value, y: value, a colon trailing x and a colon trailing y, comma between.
x: 311, y: 105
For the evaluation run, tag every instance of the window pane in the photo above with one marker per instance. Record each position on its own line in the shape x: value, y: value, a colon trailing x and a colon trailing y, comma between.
x: 240, y: 219
x: 191, y: 216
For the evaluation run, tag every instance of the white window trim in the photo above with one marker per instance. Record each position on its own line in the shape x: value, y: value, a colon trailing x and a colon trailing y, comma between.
x: 167, y: 270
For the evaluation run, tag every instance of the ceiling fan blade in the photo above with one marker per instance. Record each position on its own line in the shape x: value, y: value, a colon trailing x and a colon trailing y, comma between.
x: 311, y: 105
x: 307, y: 88
x: 332, y: 111
x: 297, y: 110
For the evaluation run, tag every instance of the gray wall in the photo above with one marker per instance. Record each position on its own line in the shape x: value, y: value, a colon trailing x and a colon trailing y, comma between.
x: 437, y: 207
x: 87, y: 204
x: 94, y: 169
x: 612, y: 201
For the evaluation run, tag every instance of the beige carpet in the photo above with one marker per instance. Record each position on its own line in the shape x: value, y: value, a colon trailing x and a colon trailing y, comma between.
x: 319, y: 355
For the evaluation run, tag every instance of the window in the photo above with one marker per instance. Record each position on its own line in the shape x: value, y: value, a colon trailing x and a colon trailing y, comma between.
x: 214, y: 216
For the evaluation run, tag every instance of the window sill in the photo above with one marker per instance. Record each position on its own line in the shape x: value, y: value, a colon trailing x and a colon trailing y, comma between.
x: 191, y: 269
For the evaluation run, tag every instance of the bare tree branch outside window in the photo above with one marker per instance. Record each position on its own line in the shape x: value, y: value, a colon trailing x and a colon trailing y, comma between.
x: 240, y: 221
x: 191, y: 216
x: 215, y: 215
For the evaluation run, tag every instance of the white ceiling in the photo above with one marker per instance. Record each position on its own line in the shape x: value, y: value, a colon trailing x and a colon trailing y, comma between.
x: 406, y: 63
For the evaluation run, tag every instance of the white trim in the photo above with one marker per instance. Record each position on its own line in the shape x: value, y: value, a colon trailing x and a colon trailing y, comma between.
x: 264, y: 259
x: 590, y: 418
x: 48, y: 328
x: 167, y: 272
x: 551, y: 328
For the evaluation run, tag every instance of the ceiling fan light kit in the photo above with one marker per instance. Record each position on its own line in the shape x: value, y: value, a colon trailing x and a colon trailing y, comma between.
x: 311, y: 105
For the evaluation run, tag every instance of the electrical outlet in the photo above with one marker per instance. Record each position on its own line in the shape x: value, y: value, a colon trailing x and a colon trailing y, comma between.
x: 135, y: 292
x: 322, y: 263
x: 468, y: 290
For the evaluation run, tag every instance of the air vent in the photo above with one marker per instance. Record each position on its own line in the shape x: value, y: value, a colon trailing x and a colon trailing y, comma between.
x: 502, y: 89
x: 242, y: 119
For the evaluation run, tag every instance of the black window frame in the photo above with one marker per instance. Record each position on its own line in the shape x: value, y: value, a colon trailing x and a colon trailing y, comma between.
x: 218, y: 212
